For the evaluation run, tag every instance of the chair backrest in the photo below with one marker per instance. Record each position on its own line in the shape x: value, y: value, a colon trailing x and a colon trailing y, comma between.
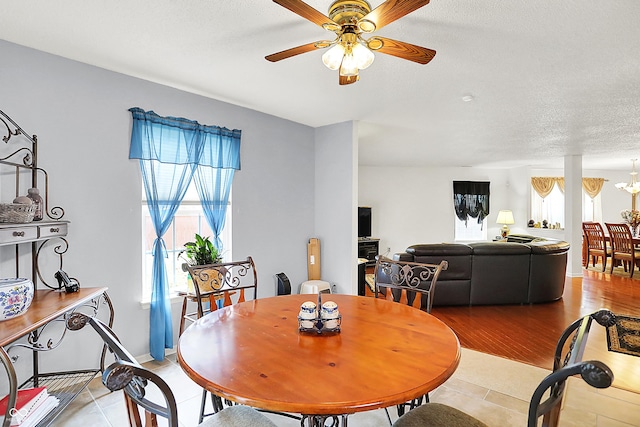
x: 620, y: 237
x: 402, y: 281
x: 128, y: 375
x: 568, y: 362
x: 224, y: 284
x: 594, y: 233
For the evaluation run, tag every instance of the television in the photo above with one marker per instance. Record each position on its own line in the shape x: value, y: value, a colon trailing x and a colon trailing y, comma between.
x: 364, y: 222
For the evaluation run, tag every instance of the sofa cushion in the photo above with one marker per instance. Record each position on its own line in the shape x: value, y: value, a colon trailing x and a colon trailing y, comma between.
x: 439, y: 249
x: 500, y: 248
x: 457, y: 255
x: 500, y: 277
x: 549, y: 247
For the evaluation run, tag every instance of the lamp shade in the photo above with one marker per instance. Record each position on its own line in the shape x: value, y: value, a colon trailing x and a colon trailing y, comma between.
x: 505, y: 217
x: 333, y: 57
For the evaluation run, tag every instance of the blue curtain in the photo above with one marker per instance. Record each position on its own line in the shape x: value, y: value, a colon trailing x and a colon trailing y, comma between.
x: 171, y: 150
x: 222, y: 149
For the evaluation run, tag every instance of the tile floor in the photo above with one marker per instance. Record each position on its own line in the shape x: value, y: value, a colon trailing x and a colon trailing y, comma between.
x: 493, y: 389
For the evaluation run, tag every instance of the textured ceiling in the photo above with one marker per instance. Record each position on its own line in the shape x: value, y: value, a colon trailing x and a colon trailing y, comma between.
x: 547, y: 78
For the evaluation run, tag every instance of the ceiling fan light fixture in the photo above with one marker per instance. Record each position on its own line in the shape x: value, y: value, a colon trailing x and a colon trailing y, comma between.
x: 364, y: 57
x: 375, y: 43
x: 333, y: 57
x: 350, y: 52
x: 366, y: 26
x: 349, y: 65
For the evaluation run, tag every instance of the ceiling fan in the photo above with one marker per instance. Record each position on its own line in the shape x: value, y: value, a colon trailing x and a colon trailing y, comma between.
x: 350, y: 20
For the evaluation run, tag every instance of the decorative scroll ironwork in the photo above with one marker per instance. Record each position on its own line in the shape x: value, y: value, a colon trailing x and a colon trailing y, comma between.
x: 408, y: 275
x: 320, y: 420
x: 59, y: 250
x: 596, y: 374
x: 17, y: 129
x: 117, y: 377
x: 604, y: 317
x: 403, y: 279
x: 29, y: 157
x: 216, y: 277
x: 55, y: 213
x: 29, y: 161
x: 74, y: 320
x: 579, y: 331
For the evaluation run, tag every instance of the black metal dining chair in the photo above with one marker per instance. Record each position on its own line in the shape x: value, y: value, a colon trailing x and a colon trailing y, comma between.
x: 410, y: 283
x: 567, y: 363
x: 148, y: 396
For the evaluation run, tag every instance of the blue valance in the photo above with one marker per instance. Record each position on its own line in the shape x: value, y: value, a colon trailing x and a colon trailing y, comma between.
x: 193, y: 143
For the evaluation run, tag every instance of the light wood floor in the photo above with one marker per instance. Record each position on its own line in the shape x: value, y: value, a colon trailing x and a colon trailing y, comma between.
x: 528, y: 333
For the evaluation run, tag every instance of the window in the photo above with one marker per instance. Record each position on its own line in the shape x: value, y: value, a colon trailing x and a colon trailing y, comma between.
x: 551, y: 208
x: 471, y: 231
x: 188, y: 221
x: 591, y: 208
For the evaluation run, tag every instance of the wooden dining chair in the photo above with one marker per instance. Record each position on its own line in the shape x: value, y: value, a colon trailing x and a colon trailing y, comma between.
x: 597, y: 243
x: 622, y: 247
x: 410, y: 283
x: 547, y: 399
x: 147, y: 396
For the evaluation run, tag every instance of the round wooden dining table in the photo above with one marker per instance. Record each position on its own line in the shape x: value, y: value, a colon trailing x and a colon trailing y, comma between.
x: 253, y: 353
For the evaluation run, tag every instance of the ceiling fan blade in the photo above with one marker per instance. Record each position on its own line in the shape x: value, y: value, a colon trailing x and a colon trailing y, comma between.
x: 347, y: 80
x: 274, y: 57
x: 301, y: 8
x: 403, y: 50
x: 392, y: 10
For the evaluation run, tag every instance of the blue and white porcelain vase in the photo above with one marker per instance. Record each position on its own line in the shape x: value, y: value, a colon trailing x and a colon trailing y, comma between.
x: 15, y: 297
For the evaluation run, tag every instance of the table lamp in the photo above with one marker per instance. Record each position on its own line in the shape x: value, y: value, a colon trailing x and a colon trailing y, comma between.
x: 505, y: 218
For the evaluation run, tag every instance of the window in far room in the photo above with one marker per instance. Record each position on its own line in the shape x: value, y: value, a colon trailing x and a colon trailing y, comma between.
x: 551, y: 206
x: 188, y: 221
x: 471, y: 207
x: 470, y: 231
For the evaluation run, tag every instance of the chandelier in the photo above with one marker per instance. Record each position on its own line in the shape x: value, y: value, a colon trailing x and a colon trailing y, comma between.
x: 632, y: 187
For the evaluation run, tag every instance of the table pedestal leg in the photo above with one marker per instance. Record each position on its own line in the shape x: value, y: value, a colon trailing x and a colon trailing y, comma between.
x: 321, y: 420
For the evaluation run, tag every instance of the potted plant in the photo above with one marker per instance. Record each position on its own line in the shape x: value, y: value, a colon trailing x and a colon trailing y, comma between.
x: 200, y: 252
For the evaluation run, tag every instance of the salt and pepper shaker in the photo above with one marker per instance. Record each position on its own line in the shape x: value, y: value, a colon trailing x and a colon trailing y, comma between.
x: 319, y: 317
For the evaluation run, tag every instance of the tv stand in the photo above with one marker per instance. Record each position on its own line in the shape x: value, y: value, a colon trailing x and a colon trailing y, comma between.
x: 368, y: 248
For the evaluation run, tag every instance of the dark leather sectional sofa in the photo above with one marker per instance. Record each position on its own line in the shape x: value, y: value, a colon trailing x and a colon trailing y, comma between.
x: 522, y: 270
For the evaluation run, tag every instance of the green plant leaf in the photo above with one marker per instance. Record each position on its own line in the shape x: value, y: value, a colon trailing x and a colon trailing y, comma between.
x: 200, y: 252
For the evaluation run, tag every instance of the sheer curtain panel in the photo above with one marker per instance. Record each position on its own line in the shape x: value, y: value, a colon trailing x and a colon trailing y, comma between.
x: 171, y: 150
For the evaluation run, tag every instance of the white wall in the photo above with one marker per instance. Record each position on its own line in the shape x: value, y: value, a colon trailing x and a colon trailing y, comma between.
x: 415, y: 205
x: 80, y: 114
x: 336, y: 186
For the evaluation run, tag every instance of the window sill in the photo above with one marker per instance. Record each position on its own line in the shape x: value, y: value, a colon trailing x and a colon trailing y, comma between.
x: 175, y: 299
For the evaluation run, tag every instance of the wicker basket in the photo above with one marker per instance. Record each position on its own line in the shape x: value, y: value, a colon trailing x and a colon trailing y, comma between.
x: 16, y: 213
